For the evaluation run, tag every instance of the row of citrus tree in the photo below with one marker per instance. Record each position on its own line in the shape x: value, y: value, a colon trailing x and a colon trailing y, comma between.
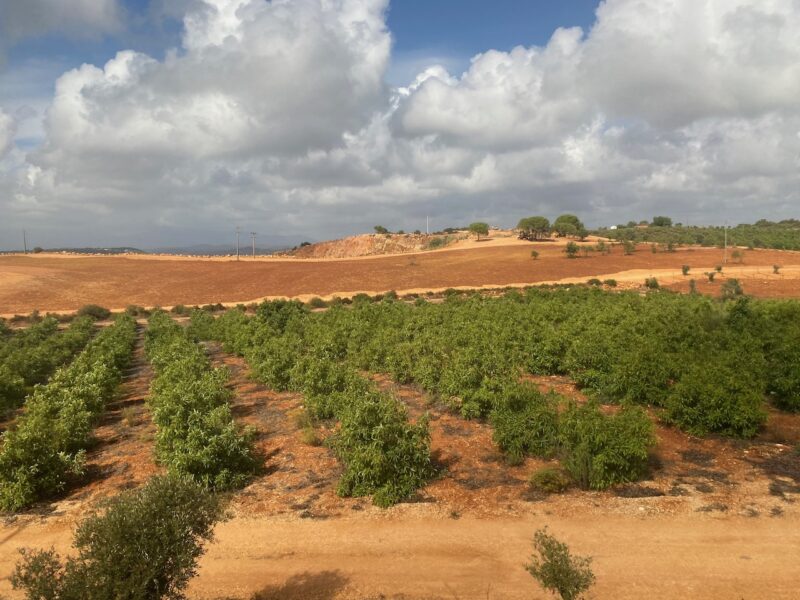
x: 703, y: 365
x: 47, y: 446
x: 196, y: 433
x: 290, y: 348
x: 28, y: 357
x: 384, y: 454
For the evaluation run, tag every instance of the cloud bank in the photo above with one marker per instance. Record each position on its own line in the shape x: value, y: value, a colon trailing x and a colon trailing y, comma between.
x: 277, y: 114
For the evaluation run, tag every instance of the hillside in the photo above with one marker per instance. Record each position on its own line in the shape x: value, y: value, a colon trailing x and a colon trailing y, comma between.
x: 374, y: 245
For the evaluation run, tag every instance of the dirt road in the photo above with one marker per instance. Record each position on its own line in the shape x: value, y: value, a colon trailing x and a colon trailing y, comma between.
x: 418, y: 557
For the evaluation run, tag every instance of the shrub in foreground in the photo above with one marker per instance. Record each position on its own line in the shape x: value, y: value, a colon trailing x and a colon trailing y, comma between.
x: 557, y: 570
x: 143, y: 546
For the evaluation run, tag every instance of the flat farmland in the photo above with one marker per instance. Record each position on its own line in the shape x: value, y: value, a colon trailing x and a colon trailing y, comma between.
x: 64, y: 282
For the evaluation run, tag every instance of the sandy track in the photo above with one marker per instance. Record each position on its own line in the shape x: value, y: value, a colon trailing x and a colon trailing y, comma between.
x: 57, y: 284
x: 677, y: 557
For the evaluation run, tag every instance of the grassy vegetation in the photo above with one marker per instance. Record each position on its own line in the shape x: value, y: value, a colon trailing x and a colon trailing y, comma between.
x: 48, y: 445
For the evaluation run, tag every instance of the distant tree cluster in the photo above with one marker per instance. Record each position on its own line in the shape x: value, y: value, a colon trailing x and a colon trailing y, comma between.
x: 781, y: 235
x: 537, y: 228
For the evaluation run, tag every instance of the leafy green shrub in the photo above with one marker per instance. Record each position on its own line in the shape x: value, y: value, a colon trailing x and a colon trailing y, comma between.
x: 383, y: 454
x: 594, y: 281
x: 534, y: 254
x: 603, y: 450
x: 685, y: 270
x: 610, y: 282
x: 96, y: 312
x: 557, y: 570
x: 720, y: 399
x: 144, y: 545
x: 525, y: 423
x: 550, y: 480
x: 651, y: 283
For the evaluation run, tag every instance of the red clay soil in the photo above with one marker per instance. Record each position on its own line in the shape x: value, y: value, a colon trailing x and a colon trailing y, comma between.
x: 52, y: 283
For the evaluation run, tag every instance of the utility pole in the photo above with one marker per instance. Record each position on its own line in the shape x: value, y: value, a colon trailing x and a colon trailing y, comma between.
x: 253, y: 235
x: 427, y: 225
x: 725, y: 256
x: 238, y: 231
x: 25, y: 241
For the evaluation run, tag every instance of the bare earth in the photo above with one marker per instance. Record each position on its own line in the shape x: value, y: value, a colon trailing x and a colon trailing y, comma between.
x: 717, y: 519
x: 64, y: 283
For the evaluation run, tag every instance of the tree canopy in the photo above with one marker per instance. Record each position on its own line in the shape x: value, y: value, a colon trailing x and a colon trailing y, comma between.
x: 479, y: 229
x: 534, y: 228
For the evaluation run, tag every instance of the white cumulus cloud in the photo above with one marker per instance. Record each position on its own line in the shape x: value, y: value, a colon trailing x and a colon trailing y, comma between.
x: 277, y: 113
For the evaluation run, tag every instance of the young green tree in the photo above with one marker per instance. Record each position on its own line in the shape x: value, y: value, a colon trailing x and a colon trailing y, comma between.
x: 479, y: 229
x: 380, y: 229
x: 556, y: 569
x: 685, y: 270
x: 534, y: 254
x: 572, y: 249
x: 144, y: 546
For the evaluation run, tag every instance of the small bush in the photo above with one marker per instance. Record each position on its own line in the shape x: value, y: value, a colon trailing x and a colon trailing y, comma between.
x: 610, y: 282
x: 180, y: 310
x: 651, y: 283
x: 732, y: 289
x: 550, y: 480
x: 718, y: 268
x: 710, y: 275
x: 628, y: 247
x: 96, y: 312
x: 317, y: 302
x: 776, y: 269
x: 685, y: 270
x: 594, y: 281
x: 572, y: 249
x: 534, y: 254
x: 145, y: 545
x: 557, y: 570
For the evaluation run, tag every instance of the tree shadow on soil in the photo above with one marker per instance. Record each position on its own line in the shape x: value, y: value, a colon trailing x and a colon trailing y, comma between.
x: 324, y: 585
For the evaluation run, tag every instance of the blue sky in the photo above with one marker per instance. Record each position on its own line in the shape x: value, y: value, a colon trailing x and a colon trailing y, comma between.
x: 449, y: 30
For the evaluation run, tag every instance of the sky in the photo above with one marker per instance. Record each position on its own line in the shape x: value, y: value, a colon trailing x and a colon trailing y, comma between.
x: 170, y: 122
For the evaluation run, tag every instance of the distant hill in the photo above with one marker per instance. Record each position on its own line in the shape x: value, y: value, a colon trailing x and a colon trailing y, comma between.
x: 216, y: 250
x: 115, y: 250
